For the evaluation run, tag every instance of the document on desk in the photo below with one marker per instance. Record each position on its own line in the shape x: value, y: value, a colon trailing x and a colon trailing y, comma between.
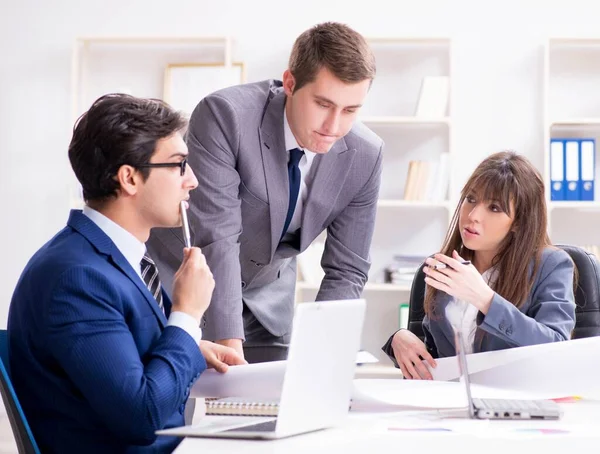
x: 263, y: 380
x: 550, y: 370
x: 391, y: 394
x: 396, y: 395
x: 260, y: 380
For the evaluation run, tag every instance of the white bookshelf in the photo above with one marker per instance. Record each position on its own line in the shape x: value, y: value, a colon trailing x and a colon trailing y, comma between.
x: 403, y: 227
x: 134, y: 65
x: 571, y: 102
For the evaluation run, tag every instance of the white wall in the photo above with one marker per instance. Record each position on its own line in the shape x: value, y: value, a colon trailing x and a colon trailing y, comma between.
x: 496, y: 86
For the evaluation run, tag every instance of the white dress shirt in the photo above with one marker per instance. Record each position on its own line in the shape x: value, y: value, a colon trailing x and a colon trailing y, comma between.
x: 133, y: 250
x: 463, y: 315
x: 304, y: 165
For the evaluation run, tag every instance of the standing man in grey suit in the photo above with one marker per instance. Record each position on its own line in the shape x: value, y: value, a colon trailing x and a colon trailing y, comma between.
x: 280, y: 162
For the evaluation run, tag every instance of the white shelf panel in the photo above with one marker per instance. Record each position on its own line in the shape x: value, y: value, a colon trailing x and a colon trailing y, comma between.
x: 409, y: 40
x: 595, y: 206
x: 576, y: 122
x: 152, y: 39
x: 374, y: 287
x: 405, y: 120
x: 391, y: 203
x: 574, y: 42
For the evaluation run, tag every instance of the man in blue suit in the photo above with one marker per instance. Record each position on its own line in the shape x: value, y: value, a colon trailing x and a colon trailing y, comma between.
x: 101, y: 358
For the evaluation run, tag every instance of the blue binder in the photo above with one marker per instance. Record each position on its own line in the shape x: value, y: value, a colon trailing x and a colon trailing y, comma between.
x: 557, y: 170
x: 587, y: 162
x: 572, y: 170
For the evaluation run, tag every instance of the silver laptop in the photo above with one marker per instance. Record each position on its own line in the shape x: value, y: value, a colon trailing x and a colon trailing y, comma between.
x: 318, y: 378
x: 502, y: 408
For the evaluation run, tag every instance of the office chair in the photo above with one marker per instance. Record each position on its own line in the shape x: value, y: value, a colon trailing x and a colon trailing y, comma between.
x: 23, y: 436
x: 587, y: 292
x: 587, y: 295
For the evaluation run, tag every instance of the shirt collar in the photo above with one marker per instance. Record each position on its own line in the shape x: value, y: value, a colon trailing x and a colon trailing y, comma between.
x: 291, y: 142
x: 132, y: 249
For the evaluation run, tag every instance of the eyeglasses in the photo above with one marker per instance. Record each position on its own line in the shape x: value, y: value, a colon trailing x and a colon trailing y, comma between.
x: 182, y: 165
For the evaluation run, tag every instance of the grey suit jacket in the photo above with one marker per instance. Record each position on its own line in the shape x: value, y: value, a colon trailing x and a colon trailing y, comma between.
x: 548, y: 315
x: 237, y: 150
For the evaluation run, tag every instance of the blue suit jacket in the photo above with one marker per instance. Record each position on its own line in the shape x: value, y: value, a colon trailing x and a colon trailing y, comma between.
x: 93, y: 364
x: 548, y: 315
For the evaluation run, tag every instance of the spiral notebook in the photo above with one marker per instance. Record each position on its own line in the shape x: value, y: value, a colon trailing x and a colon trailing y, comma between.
x: 241, y: 407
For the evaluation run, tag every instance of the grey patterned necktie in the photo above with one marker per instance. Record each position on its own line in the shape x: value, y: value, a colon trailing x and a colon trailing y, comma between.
x: 150, y: 277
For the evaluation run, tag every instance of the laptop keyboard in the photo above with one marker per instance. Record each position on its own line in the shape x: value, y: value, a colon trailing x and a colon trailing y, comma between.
x: 513, y: 404
x: 267, y: 426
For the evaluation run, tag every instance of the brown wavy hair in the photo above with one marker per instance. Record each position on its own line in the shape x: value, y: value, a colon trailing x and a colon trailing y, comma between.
x: 504, y: 177
x: 335, y: 46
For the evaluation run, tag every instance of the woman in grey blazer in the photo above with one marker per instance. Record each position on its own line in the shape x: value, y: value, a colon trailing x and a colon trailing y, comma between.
x: 498, y: 277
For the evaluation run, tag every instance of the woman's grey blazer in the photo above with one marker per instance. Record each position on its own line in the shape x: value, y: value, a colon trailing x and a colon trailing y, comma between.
x: 548, y: 315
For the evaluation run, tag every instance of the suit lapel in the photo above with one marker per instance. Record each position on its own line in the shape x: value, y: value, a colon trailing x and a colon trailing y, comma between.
x: 330, y: 172
x: 104, y: 245
x: 274, y: 158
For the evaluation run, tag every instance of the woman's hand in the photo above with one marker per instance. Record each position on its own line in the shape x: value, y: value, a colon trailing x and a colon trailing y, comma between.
x: 407, y: 348
x: 460, y: 281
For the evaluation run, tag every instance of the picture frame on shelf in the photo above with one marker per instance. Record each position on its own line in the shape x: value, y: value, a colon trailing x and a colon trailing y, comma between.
x: 433, y: 97
x: 185, y: 84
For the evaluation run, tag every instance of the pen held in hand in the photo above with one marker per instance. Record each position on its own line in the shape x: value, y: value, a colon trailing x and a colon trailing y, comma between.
x: 441, y: 266
x: 185, y: 227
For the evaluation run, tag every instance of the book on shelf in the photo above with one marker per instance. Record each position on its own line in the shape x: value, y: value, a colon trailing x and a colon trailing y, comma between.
x: 433, y: 97
x: 235, y: 406
x: 427, y: 181
x: 403, y: 268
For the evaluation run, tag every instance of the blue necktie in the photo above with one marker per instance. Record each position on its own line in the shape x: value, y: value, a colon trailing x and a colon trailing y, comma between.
x: 294, y: 177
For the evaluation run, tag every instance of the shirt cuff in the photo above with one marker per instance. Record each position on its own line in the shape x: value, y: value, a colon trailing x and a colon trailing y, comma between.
x: 187, y: 323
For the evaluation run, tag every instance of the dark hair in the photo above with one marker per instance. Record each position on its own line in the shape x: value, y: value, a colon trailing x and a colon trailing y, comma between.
x: 336, y: 47
x: 118, y: 130
x: 506, y: 177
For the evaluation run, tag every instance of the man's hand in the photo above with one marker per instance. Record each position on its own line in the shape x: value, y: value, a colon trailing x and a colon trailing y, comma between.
x: 220, y: 357
x: 193, y: 284
x: 236, y: 344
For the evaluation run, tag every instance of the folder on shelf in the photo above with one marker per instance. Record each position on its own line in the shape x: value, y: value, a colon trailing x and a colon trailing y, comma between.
x: 572, y: 174
x: 403, y: 316
x: 557, y: 170
x: 587, y: 150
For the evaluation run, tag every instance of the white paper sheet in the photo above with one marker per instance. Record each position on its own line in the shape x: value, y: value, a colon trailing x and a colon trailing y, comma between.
x: 374, y: 394
x: 547, y: 370
x: 364, y: 357
x: 541, y: 371
x: 394, y: 395
x: 263, y: 380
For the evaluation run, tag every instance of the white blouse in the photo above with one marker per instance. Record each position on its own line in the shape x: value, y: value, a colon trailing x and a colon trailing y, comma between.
x: 463, y: 315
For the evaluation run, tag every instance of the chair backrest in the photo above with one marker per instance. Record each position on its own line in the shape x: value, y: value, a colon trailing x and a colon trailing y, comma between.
x: 587, y: 295
x: 23, y: 436
x: 587, y: 292
x: 415, y: 304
